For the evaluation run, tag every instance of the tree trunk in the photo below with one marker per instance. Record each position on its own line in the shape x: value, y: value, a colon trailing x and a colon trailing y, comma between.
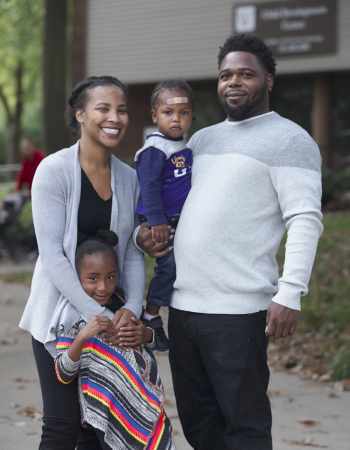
x: 56, y: 134
x: 17, y: 118
x: 10, y: 141
x: 14, y: 117
x: 78, y: 45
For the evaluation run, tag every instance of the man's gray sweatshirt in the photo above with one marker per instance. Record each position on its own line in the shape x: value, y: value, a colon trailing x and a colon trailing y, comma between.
x: 252, y: 181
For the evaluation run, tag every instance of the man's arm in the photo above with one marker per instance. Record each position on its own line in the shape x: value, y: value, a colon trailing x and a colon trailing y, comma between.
x: 298, y: 187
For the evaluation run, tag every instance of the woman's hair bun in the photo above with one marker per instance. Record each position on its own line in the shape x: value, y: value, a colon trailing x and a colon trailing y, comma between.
x: 107, y: 236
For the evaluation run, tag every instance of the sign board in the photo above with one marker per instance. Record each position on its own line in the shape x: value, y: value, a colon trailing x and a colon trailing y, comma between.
x: 290, y: 28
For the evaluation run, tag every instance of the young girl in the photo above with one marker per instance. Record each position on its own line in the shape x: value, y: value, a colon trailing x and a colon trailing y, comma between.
x: 121, y: 394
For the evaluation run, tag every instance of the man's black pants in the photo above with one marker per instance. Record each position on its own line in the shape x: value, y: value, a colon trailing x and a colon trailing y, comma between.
x: 220, y: 376
x: 61, y: 411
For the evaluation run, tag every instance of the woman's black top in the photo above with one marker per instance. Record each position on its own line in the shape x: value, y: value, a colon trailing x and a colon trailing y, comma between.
x: 94, y: 213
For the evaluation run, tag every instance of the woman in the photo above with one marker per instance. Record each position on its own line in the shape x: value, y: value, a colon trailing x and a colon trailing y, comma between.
x: 80, y: 190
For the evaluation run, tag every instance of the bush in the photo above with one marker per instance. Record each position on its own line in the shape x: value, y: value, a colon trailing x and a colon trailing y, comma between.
x: 327, y: 307
x: 341, y: 364
x: 335, y: 183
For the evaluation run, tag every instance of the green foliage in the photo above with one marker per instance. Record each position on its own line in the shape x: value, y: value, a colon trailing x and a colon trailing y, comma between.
x: 341, y: 364
x: 25, y: 218
x: 21, y: 40
x: 2, y: 145
x: 21, y: 25
x: 335, y: 183
x: 5, y: 188
x: 327, y: 306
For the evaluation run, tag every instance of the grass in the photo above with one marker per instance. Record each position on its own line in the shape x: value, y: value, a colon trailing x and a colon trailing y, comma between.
x: 5, y: 188
x: 326, y: 310
x: 327, y: 307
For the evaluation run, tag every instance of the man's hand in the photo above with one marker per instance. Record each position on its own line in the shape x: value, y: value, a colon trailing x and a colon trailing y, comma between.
x: 148, y: 245
x: 281, y: 321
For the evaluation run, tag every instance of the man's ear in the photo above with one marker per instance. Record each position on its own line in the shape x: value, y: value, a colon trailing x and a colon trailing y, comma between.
x: 269, y: 81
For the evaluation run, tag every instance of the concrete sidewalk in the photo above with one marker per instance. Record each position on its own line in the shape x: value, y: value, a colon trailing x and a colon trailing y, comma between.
x: 306, y: 414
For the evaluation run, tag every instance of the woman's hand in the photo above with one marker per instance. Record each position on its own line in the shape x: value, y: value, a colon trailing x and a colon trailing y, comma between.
x: 160, y: 233
x: 148, y: 245
x: 121, y: 318
x: 134, y: 334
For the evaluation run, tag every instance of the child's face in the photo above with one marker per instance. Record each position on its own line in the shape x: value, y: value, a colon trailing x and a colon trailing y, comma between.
x: 98, y: 276
x: 173, y: 113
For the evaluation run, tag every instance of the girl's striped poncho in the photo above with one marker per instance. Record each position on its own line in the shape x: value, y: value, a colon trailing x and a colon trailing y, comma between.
x: 120, y: 392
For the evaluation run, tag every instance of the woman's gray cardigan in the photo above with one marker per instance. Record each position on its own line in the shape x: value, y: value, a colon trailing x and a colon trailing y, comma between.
x: 55, y: 204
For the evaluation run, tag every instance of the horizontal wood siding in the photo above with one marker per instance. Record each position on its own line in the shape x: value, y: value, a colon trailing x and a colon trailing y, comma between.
x: 145, y: 41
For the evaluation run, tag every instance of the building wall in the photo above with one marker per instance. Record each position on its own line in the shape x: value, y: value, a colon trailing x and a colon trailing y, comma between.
x: 143, y: 42
x: 158, y: 39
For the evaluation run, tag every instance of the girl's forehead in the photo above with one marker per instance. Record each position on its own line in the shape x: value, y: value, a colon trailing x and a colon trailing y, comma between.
x: 98, y: 260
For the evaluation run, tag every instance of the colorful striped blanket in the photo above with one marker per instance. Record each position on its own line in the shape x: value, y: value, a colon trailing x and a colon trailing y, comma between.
x: 121, y: 394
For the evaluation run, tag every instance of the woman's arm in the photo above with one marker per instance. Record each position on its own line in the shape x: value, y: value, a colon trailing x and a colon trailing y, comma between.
x: 49, y: 204
x: 133, y: 278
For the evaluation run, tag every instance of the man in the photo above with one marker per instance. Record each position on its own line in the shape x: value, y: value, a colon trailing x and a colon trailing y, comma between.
x: 255, y: 175
x: 31, y: 158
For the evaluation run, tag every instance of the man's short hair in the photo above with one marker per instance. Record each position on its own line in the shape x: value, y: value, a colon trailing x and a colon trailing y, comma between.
x: 250, y: 44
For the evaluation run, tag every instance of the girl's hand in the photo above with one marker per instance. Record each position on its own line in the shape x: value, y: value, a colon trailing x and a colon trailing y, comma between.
x: 95, y: 326
x: 160, y: 233
x: 133, y: 334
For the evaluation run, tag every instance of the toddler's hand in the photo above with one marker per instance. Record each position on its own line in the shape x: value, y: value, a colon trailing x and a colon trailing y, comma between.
x: 160, y: 233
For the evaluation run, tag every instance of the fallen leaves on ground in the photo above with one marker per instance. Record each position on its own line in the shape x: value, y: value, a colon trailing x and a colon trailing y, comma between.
x: 309, y: 422
x: 306, y: 354
x: 29, y: 411
x: 308, y: 442
x: 23, y: 380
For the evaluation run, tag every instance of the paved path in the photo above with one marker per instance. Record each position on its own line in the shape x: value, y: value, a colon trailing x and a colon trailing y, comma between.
x: 306, y: 414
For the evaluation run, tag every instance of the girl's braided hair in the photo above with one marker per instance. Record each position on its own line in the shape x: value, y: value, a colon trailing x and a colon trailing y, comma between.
x: 103, y: 241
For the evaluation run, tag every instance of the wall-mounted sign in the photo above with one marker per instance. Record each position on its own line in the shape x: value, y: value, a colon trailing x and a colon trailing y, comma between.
x: 293, y: 27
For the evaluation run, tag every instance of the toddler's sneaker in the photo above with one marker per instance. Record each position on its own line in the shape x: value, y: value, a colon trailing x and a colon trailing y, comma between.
x: 161, y: 341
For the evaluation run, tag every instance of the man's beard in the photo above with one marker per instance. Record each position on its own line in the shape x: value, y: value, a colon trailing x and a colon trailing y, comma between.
x: 249, y: 109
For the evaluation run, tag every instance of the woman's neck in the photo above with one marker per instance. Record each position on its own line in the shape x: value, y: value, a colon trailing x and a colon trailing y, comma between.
x: 93, y: 156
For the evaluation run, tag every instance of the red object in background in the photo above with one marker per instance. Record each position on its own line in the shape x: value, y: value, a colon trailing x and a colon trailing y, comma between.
x: 28, y: 168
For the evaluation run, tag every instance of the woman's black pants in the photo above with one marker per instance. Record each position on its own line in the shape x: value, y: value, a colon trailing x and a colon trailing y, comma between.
x: 61, y: 412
